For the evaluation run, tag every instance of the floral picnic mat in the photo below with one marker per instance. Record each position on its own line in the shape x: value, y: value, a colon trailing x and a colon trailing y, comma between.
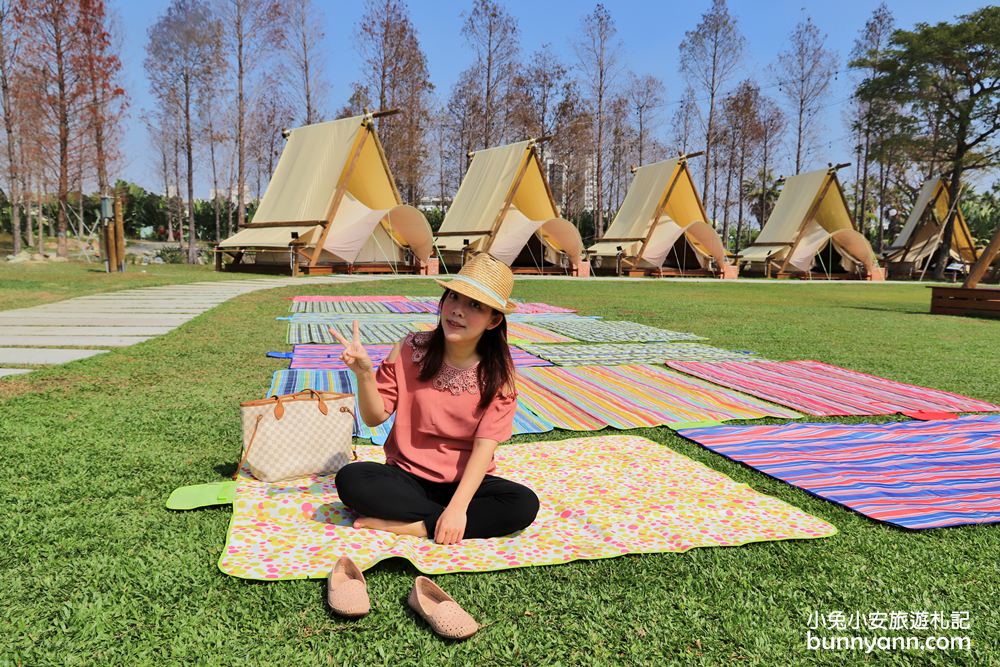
x: 600, y: 497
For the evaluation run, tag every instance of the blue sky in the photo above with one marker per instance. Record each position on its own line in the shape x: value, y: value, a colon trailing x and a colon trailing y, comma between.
x: 650, y: 33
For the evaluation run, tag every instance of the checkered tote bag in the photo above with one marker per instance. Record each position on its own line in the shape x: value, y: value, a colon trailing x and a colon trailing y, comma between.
x: 297, y: 435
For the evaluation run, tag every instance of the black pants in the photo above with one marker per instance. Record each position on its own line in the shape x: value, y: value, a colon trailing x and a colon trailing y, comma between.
x: 499, y: 506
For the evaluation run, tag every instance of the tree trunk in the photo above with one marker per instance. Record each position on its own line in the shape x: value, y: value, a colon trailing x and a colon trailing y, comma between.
x: 189, y: 154
x: 864, y: 185
x: 800, y: 130
x: 739, y: 201
x: 729, y: 186
x: 62, y: 118
x: 215, y: 179
x: 166, y: 194
x: 178, y: 201
x: 241, y: 174
x: 8, y: 123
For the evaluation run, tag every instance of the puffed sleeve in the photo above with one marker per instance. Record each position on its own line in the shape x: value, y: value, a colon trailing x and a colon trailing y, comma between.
x: 386, y: 379
x: 498, y: 419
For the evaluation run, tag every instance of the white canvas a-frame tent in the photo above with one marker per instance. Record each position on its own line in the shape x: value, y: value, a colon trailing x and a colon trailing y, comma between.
x: 332, y: 205
x: 913, y: 250
x: 661, y: 227
x: 810, y: 227
x: 504, y: 207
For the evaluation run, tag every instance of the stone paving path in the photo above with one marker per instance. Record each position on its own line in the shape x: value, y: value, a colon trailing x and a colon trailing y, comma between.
x: 64, y: 331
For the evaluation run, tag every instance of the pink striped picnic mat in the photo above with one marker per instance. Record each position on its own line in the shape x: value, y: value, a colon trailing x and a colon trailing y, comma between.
x: 369, y: 297
x: 828, y: 391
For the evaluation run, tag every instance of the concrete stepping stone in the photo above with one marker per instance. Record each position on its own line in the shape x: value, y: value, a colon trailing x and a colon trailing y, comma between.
x: 97, y: 319
x: 42, y: 355
x: 76, y: 341
x: 21, y: 330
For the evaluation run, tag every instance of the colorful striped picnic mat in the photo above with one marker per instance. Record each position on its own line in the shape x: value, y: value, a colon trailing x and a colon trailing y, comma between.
x: 363, y: 307
x: 372, y: 333
x: 327, y: 357
x: 910, y: 474
x: 290, y: 381
x: 600, y: 497
x: 412, y: 306
x: 373, y: 318
x: 638, y: 396
x: 824, y: 390
x: 535, y: 308
x: 611, y: 331
x: 613, y: 354
x: 367, y: 297
x: 554, y: 408
x: 522, y: 332
x: 352, y: 307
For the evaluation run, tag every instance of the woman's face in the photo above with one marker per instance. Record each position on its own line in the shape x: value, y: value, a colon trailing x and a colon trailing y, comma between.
x: 464, y: 319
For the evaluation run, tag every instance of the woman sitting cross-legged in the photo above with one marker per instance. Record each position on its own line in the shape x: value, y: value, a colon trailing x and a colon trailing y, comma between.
x: 453, y: 393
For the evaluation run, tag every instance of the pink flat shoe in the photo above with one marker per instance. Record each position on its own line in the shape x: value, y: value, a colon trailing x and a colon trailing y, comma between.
x: 346, y: 590
x: 441, y: 612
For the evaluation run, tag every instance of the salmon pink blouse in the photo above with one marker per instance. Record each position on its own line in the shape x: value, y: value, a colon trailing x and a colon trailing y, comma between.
x: 437, y: 421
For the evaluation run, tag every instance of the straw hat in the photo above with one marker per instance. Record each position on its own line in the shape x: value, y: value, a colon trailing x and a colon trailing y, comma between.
x: 485, y: 279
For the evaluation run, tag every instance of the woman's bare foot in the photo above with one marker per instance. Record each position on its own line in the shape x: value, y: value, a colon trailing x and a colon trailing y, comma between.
x: 418, y: 529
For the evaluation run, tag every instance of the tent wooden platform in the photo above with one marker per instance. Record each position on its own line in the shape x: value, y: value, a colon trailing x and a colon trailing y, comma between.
x: 970, y: 298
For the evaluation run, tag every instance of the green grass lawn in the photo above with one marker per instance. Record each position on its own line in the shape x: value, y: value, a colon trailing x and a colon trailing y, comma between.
x: 96, y: 571
x: 34, y: 283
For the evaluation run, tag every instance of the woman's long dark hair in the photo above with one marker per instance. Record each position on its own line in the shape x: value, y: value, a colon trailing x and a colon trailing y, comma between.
x: 496, y: 368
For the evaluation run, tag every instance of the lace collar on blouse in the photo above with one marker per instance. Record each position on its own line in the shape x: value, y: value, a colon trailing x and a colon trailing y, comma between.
x: 455, y: 381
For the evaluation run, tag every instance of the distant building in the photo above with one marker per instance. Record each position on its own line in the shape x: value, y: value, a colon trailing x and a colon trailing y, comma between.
x: 228, y: 194
x: 429, y: 203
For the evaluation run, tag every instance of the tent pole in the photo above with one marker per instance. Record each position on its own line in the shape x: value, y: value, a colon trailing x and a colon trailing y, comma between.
x: 979, y: 268
x: 338, y: 194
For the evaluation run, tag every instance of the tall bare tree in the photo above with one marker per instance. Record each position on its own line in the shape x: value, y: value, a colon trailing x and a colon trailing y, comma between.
x: 645, y: 95
x: 870, y: 45
x: 709, y: 55
x: 684, y: 121
x: 804, y: 72
x: 253, y: 29
x: 52, y: 43
x: 184, y: 50
x: 105, y: 97
x: 305, y: 35
x: 542, y: 84
x: 599, y: 54
x: 492, y: 32
x: 396, y: 76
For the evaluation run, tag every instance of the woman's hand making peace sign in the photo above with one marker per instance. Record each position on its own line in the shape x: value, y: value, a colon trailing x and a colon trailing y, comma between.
x: 354, y: 355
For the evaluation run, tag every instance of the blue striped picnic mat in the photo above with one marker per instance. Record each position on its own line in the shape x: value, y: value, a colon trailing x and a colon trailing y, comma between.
x: 916, y: 474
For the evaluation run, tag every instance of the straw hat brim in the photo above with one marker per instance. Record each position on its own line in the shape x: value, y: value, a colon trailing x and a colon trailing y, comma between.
x: 470, y: 291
